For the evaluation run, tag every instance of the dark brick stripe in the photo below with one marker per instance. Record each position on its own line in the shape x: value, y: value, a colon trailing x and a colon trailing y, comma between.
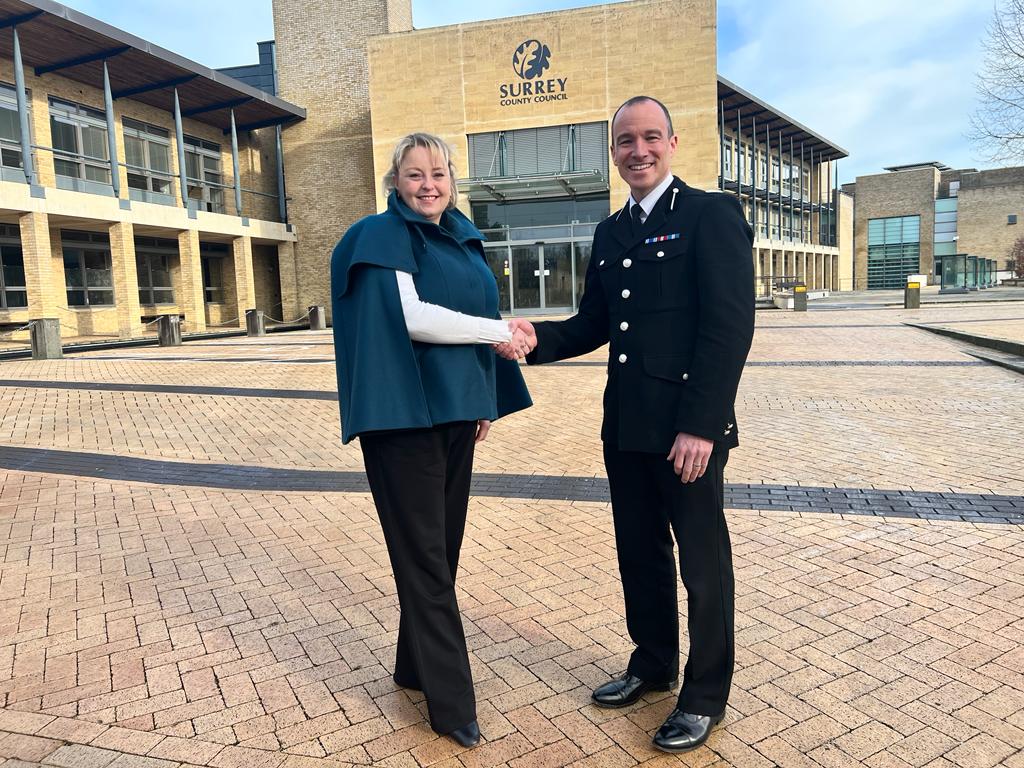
x: 980, y: 508
x: 101, y: 386
x: 824, y: 363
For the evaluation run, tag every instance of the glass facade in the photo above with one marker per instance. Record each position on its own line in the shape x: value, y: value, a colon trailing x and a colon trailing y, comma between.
x: 10, y: 135
x: 153, y: 257
x: 202, y: 168
x: 538, y: 213
x: 212, y: 256
x: 12, y: 269
x: 945, y: 230
x: 894, y: 250
x: 79, y: 136
x: 87, y: 269
x: 534, y: 151
x: 147, y: 150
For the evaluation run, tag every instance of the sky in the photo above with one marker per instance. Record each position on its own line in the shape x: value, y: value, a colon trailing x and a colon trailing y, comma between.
x: 891, y: 82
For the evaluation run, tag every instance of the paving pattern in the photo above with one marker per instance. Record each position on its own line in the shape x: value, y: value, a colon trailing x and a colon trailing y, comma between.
x: 180, y: 618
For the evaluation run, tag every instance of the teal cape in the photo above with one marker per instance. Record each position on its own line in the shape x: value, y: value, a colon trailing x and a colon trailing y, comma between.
x: 381, y: 384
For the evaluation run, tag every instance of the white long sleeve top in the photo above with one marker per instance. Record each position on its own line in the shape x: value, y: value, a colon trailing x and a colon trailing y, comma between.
x: 439, y: 325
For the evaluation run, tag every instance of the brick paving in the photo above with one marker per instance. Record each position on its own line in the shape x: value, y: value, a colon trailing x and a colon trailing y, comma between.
x: 161, y: 625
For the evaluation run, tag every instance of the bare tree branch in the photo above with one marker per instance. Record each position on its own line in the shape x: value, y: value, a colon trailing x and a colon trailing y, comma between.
x: 997, y: 126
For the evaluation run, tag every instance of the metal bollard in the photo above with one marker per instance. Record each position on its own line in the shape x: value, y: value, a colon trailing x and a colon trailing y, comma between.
x: 168, y: 329
x: 45, y: 335
x: 912, y: 296
x: 254, y: 322
x: 799, y: 298
x: 317, y: 318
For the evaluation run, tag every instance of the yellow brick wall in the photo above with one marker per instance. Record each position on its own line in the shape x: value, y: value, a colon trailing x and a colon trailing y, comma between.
x: 982, y: 215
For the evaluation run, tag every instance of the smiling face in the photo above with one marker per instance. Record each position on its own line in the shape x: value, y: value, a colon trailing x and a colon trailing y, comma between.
x: 424, y: 183
x: 642, y: 148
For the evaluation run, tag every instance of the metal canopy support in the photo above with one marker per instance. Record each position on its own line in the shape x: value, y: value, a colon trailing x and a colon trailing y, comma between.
x: 100, y: 56
x: 791, y: 188
x: 108, y: 106
x: 282, y: 202
x: 14, y: 21
x: 736, y: 154
x: 180, y: 139
x: 767, y: 182
x: 755, y: 159
x: 721, y: 145
x: 214, y: 107
x: 835, y: 207
x: 19, y: 86
x: 802, y: 238
x: 234, y: 165
x: 153, y: 86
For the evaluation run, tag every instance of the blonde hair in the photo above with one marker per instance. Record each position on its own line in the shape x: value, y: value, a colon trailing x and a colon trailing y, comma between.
x: 437, y: 147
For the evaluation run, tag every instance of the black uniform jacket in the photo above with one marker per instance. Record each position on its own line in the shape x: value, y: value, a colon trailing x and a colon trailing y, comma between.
x: 679, y: 313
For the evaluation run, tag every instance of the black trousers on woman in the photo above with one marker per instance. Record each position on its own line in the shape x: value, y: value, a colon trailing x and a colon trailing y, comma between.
x: 420, y: 480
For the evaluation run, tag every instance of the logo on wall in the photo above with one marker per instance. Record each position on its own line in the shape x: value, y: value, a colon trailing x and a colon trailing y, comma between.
x: 530, y: 61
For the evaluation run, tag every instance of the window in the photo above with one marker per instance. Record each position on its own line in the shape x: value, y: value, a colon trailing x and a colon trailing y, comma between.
x: 894, y: 250
x: 12, y: 269
x: 762, y: 173
x: 202, y: 167
x: 727, y: 157
x: 211, y: 256
x: 534, y: 151
x: 153, y: 266
x: 775, y: 174
x: 147, y: 150
x: 10, y: 130
x: 79, y: 137
x: 87, y: 270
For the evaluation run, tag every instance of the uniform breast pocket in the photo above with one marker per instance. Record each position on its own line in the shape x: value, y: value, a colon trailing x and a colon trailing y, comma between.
x: 662, y: 272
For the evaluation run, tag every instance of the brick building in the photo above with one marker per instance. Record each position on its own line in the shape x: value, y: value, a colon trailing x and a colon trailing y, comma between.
x: 907, y: 219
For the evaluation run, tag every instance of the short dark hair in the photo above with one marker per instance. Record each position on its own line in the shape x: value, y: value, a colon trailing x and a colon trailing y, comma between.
x: 636, y: 100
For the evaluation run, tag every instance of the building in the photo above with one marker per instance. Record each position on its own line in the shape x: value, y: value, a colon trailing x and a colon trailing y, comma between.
x: 133, y: 183
x: 907, y: 219
x: 526, y: 102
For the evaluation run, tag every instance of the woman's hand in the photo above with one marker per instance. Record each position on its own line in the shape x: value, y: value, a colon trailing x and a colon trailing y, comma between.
x: 483, y: 426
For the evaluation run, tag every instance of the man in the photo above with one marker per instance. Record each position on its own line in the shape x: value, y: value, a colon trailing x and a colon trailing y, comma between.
x: 670, y: 286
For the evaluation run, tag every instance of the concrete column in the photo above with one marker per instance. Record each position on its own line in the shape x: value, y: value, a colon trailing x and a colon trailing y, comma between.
x: 126, y: 280
x: 245, y: 287
x: 835, y: 274
x: 771, y: 271
x: 45, y: 335
x: 192, y: 300
x: 289, y: 281
x: 44, y: 291
x: 757, y: 272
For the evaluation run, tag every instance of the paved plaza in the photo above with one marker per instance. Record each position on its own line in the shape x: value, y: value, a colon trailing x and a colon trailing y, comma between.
x: 192, y: 573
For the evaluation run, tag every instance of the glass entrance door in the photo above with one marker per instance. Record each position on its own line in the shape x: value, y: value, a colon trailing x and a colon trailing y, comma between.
x: 556, y: 276
x: 539, y: 276
x: 526, y: 277
x: 497, y: 260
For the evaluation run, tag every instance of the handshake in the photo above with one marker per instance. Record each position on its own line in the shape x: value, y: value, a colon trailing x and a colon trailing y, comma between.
x: 523, y: 341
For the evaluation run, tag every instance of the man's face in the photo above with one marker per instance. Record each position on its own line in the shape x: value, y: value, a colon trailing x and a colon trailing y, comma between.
x: 641, y: 147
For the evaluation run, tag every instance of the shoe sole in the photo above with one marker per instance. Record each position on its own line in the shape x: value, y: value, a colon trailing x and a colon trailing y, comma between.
x: 652, y: 689
x: 692, y: 747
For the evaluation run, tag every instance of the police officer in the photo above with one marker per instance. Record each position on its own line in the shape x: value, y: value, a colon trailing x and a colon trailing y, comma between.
x: 670, y: 286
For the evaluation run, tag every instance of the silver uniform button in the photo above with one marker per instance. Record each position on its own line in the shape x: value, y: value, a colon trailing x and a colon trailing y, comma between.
x: 625, y: 293
x: 686, y: 376
x: 627, y: 263
x: 622, y: 358
x: 600, y: 263
x: 660, y: 254
x: 624, y: 326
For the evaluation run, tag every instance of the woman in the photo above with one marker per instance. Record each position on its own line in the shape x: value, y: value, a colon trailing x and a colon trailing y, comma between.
x: 415, y: 311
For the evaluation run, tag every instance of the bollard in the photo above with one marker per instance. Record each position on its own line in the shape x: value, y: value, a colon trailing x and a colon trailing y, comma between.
x: 168, y: 329
x: 799, y: 298
x: 45, y: 335
x: 317, y: 319
x: 254, y: 323
x: 912, y: 296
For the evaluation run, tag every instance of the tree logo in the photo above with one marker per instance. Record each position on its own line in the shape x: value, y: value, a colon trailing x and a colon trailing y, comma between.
x: 531, y: 59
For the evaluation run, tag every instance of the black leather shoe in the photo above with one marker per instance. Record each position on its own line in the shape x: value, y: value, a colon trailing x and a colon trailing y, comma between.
x: 401, y: 683
x: 683, y: 731
x: 467, y: 735
x: 624, y: 691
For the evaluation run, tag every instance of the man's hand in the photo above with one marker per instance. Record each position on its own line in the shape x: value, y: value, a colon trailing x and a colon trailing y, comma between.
x: 689, y: 456
x: 483, y: 426
x: 523, y: 341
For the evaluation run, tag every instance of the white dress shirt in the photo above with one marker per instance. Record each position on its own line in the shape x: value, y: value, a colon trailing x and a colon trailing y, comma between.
x: 650, y: 200
x: 440, y: 325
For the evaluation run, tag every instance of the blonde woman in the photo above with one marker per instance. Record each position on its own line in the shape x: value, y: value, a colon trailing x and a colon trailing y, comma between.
x: 416, y: 328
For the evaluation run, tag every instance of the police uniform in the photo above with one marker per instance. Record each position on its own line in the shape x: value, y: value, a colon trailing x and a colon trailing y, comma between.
x: 674, y: 299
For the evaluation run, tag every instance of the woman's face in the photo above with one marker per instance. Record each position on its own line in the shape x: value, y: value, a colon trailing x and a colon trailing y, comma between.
x: 424, y: 183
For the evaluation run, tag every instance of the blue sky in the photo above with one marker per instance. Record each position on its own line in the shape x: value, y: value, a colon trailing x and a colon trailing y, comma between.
x: 892, y: 83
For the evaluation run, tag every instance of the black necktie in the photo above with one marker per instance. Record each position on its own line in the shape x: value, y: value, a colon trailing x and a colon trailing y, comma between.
x: 634, y: 214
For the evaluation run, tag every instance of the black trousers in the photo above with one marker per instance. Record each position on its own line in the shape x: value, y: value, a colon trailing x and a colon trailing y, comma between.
x: 420, y: 480
x: 649, y: 506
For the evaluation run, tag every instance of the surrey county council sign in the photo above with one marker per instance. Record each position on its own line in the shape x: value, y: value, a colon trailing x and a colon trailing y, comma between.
x: 530, y: 60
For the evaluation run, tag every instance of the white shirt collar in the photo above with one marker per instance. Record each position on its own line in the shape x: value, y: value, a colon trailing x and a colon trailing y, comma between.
x: 652, y: 197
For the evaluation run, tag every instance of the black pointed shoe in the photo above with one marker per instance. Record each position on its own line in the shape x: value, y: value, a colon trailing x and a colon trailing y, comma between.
x: 467, y: 735
x: 625, y: 690
x: 683, y: 731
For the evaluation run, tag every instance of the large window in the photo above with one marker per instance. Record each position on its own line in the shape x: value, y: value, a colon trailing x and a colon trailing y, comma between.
x: 202, y: 166
x: 727, y: 157
x: 12, y: 269
x: 10, y: 134
x: 212, y: 256
x: 894, y: 250
x: 534, y: 151
x: 147, y: 150
x: 87, y: 270
x: 153, y: 266
x: 79, y: 136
